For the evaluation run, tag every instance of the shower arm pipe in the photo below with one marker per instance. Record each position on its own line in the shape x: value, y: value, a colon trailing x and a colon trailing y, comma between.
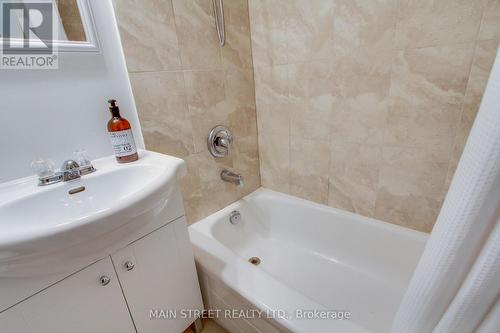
x: 219, y: 21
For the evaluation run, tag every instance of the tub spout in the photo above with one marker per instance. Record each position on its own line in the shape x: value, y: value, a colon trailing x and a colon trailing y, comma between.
x: 231, y: 177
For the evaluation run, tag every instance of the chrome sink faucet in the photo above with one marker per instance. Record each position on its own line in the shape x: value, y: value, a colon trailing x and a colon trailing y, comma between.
x: 70, y: 170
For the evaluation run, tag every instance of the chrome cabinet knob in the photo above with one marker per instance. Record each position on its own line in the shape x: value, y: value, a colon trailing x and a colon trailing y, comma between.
x: 104, y: 280
x: 129, y: 265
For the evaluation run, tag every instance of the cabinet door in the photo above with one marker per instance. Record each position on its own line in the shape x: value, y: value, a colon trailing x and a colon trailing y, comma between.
x: 77, y: 304
x: 161, y: 275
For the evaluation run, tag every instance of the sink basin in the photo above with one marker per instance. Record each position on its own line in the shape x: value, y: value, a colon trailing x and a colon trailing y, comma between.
x: 46, y: 229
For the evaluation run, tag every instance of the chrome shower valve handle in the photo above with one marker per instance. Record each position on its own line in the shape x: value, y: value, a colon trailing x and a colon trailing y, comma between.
x: 219, y: 141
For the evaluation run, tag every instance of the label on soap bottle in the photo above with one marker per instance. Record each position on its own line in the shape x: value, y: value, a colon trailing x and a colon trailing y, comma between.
x: 123, y: 143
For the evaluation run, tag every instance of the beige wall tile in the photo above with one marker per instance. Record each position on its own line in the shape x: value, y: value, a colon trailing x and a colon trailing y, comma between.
x: 312, y: 93
x: 209, y: 87
x: 424, y: 23
x: 411, y: 186
x: 274, y: 154
x: 148, y: 34
x: 427, y: 92
x: 490, y: 26
x: 311, y: 80
x: 274, y: 145
x: 362, y: 105
x: 207, y: 104
x: 199, y: 46
x: 353, y: 177
x: 309, y: 163
x: 271, y: 84
x: 393, y: 81
x: 205, y: 89
x: 360, y: 112
x: 268, y: 24
x: 311, y: 119
x: 238, y: 49
x: 239, y: 84
x: 364, y: 36
x: 309, y: 30
x: 163, y: 112
x: 484, y: 57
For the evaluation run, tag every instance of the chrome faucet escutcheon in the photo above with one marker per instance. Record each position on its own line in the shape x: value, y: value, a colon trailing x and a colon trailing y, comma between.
x: 70, y: 170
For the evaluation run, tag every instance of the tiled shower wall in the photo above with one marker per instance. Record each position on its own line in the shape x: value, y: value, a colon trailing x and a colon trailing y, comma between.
x: 184, y: 84
x: 366, y: 105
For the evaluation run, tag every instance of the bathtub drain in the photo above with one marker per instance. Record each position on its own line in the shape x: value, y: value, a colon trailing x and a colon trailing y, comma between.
x: 254, y: 261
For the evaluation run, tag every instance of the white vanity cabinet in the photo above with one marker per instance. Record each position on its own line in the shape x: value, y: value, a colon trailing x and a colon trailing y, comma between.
x: 116, y: 294
x: 80, y: 303
x: 158, y: 272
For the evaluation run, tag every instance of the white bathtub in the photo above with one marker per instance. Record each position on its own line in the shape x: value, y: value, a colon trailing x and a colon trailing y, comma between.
x: 313, y: 257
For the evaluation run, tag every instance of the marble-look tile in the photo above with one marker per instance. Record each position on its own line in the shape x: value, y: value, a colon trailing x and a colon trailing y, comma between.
x: 312, y: 95
x: 162, y: 107
x: 312, y: 80
x: 271, y: 84
x: 205, y: 193
x: 364, y: 36
x: 385, y: 103
x: 274, y: 118
x: 274, y: 146
x: 220, y: 97
x: 427, y: 91
x: 246, y: 162
x: 207, y: 103
x: 424, y: 23
x: 237, y: 52
x: 240, y: 86
x: 411, y: 186
x: 309, y: 30
x: 198, y: 42
x: 484, y: 56
x: 311, y: 118
x: 353, y: 177
x: 148, y: 34
x: 203, y: 173
x: 309, y: 163
x: 209, y: 86
x: 490, y: 26
x: 268, y: 24
x: 360, y: 113
x: 205, y: 89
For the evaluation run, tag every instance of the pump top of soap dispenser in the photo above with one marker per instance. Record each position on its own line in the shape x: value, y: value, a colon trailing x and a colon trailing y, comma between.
x: 113, y: 108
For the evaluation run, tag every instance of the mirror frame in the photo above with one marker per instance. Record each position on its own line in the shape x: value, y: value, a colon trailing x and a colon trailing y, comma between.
x: 88, y: 22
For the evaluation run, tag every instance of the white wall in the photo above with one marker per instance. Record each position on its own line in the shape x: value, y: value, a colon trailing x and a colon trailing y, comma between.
x: 51, y: 113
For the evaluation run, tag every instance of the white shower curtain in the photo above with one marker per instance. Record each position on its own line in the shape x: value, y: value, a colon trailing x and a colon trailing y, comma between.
x: 456, y: 285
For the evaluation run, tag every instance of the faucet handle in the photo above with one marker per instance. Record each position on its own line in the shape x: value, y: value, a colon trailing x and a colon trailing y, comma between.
x: 83, y: 159
x: 43, y: 167
x: 219, y: 141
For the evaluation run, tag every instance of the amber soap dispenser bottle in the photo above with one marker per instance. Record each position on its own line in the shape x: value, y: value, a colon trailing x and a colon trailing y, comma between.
x: 120, y: 133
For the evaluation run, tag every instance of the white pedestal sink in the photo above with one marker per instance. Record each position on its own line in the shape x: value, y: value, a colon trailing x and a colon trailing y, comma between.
x: 45, y: 229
